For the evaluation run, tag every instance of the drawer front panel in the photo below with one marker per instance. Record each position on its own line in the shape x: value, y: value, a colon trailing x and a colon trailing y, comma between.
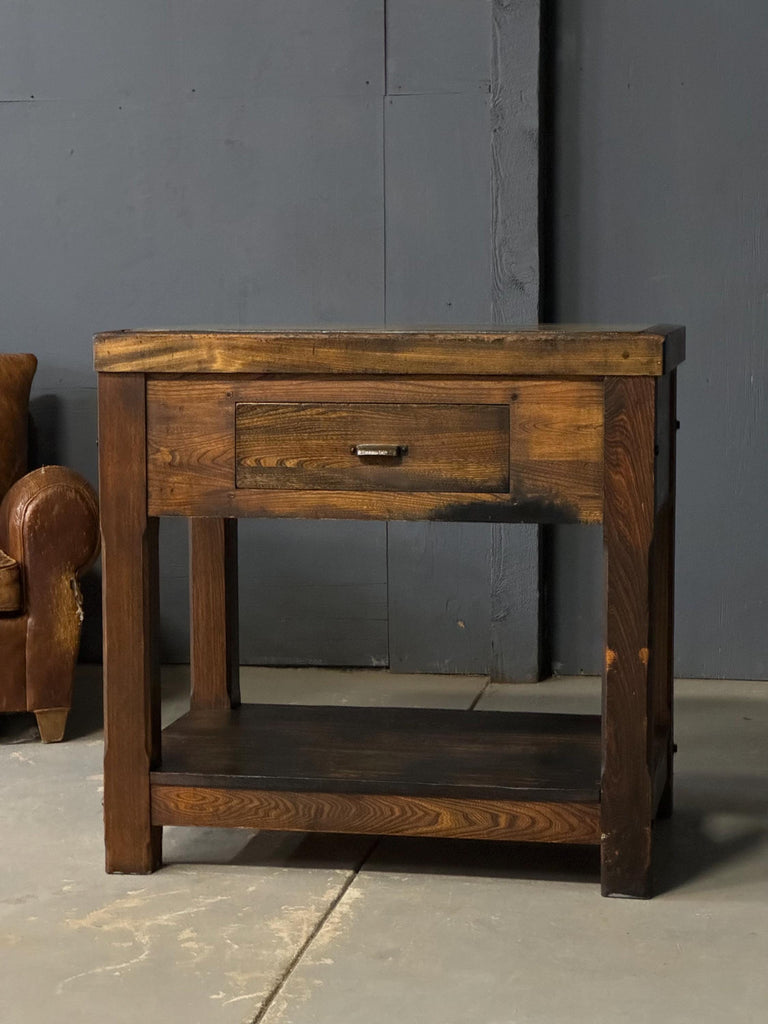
x: 372, y: 447
x: 515, y: 450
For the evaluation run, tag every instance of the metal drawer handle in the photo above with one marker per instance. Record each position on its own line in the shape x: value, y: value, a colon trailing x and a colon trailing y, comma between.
x: 379, y: 451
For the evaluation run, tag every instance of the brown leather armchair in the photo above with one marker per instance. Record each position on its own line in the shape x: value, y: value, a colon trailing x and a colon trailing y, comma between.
x: 49, y: 534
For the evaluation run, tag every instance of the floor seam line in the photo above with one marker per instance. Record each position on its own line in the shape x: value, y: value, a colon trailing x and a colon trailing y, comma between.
x: 296, y: 959
x: 479, y: 696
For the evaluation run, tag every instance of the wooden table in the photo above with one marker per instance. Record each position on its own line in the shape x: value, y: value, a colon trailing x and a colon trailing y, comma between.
x: 544, y: 425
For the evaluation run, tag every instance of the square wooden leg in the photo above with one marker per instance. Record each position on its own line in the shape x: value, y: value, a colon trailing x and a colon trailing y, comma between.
x: 214, y: 654
x: 626, y: 796
x: 130, y: 589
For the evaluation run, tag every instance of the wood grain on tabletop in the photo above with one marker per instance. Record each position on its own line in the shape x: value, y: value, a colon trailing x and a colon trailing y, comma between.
x: 539, y: 351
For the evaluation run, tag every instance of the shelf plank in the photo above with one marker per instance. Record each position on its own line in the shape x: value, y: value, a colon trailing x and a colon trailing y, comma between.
x: 439, y: 753
x: 448, y: 818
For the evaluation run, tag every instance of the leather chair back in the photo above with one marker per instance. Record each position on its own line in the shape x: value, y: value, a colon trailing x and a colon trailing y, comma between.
x: 16, y: 373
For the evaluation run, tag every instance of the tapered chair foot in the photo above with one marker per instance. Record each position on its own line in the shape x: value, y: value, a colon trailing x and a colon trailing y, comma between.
x: 51, y: 723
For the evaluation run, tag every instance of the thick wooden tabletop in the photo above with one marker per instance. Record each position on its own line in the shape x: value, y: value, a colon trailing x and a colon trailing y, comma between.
x: 544, y: 350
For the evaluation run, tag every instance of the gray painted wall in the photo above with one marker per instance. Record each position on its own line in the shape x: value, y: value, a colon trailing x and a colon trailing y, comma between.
x: 272, y: 162
x: 198, y: 163
x: 660, y: 213
x: 462, y: 247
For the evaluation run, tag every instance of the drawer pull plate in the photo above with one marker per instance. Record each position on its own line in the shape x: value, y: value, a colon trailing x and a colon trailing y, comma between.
x: 379, y: 451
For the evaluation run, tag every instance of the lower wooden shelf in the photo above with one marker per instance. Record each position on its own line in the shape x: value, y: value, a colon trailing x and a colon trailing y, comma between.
x: 391, y: 771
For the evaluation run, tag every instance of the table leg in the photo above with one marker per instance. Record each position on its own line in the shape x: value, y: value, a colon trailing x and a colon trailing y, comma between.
x: 626, y: 798
x: 214, y: 654
x: 662, y: 675
x: 130, y: 595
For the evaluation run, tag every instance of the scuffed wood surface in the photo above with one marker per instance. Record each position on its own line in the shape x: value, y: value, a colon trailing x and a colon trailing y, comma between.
x: 556, y: 445
x: 300, y: 446
x: 628, y: 537
x: 554, y: 452
x: 130, y: 609
x: 404, y: 751
x: 539, y: 351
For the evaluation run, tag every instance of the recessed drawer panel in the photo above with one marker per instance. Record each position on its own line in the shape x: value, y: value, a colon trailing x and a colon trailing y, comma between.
x: 372, y: 447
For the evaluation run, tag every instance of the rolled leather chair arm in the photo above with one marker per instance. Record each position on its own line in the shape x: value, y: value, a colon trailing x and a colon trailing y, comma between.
x: 49, y: 522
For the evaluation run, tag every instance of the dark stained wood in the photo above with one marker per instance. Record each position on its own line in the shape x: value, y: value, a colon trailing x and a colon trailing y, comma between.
x: 131, y: 683
x: 311, y: 446
x: 663, y: 585
x: 214, y: 661
x: 547, y: 350
x: 662, y: 775
x: 674, y: 344
x: 192, y: 470
x: 579, y: 449
x: 167, y: 497
x: 556, y: 445
x: 521, y: 821
x: 483, y: 754
x: 627, y: 784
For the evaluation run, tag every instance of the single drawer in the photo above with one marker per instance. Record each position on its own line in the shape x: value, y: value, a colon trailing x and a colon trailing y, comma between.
x: 372, y: 447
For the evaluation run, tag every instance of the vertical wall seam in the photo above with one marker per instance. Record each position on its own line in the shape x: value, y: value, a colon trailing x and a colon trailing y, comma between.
x: 385, y: 79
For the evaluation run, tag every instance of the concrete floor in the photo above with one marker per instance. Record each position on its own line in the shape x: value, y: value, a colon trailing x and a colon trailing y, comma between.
x: 258, y: 927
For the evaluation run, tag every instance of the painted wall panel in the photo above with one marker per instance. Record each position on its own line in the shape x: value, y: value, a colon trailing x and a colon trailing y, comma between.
x: 462, y: 247
x: 150, y: 51
x: 187, y: 164
x: 438, y: 46
x: 194, y: 163
x: 661, y: 145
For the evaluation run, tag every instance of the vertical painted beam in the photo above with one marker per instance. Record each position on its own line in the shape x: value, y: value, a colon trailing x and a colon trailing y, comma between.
x: 461, y: 198
x: 516, y: 587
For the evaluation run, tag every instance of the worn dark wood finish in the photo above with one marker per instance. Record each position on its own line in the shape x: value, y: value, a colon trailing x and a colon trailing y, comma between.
x: 663, y: 586
x: 554, y: 450
x: 595, y: 440
x: 628, y: 533
x: 214, y: 662
x: 131, y: 676
x: 168, y: 499
x: 674, y: 344
x: 443, y: 817
x: 547, y: 350
x: 310, y: 446
x: 486, y: 755
x: 556, y: 445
